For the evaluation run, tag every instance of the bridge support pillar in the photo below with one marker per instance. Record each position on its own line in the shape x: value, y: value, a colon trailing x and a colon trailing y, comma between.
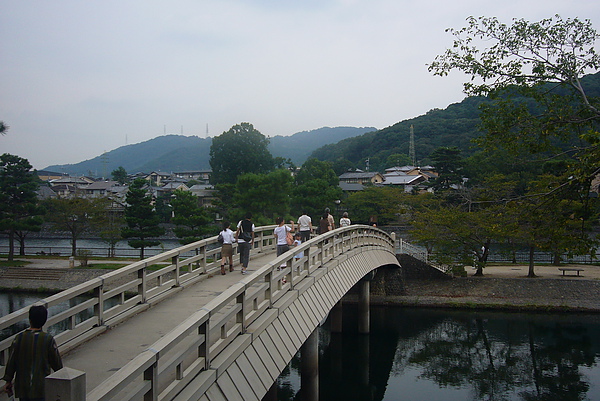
x: 335, y: 318
x: 65, y: 384
x: 309, y: 373
x: 364, y: 301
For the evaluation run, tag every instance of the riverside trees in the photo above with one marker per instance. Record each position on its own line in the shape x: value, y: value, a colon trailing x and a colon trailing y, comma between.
x: 19, y: 209
x: 142, y: 222
x: 539, y: 110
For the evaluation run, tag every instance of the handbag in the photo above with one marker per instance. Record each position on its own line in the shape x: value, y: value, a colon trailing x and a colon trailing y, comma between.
x: 289, y: 238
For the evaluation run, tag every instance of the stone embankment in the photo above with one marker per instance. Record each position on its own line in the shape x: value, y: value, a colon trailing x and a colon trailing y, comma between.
x: 504, y: 287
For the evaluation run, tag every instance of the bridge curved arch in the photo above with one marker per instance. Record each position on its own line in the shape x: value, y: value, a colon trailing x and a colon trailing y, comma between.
x: 274, y: 341
x: 249, y: 365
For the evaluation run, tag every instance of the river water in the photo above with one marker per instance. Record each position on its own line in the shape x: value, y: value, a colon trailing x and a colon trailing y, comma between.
x: 432, y: 354
x: 435, y: 354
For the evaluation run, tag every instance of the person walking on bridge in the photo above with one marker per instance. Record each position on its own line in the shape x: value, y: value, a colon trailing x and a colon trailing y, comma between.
x: 227, y: 247
x: 345, y: 221
x: 281, y: 232
x: 245, y: 238
x: 305, y: 226
x: 33, y: 354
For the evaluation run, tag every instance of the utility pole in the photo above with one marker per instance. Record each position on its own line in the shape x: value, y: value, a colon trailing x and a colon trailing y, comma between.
x: 411, y: 147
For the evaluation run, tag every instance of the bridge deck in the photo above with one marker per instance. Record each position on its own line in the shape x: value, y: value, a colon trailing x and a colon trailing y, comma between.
x: 101, y: 356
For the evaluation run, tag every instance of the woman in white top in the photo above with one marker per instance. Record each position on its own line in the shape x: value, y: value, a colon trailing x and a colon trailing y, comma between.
x: 345, y: 221
x: 227, y: 247
x: 281, y: 235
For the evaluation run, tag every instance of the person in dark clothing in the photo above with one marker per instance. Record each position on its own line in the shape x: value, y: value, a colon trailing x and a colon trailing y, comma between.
x: 245, y: 237
x: 33, y: 354
x: 324, y: 223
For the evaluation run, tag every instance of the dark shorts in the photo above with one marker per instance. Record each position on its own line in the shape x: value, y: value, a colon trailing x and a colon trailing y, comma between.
x: 281, y: 249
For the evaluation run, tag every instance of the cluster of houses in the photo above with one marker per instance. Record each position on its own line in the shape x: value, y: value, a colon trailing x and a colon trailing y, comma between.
x: 162, y: 184
x: 409, y: 178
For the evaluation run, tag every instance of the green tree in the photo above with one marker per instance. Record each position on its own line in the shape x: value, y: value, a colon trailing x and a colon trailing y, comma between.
x: 341, y: 165
x: 242, y: 149
x: 120, y: 175
x: 386, y: 203
x: 192, y: 221
x: 19, y: 209
x: 266, y: 196
x: 108, y: 224
x: 456, y: 235
x: 533, y: 73
x: 141, y: 218
x: 75, y: 216
x: 449, y: 165
x: 3, y: 128
x: 316, y: 188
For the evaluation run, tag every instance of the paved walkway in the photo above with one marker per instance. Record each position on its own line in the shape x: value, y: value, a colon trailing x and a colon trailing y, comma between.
x: 589, y: 272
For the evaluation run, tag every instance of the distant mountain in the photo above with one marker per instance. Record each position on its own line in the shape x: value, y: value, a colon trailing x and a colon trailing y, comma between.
x: 183, y: 153
x: 299, y: 146
x: 454, y: 126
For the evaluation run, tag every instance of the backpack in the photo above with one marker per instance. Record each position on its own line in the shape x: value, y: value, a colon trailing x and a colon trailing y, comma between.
x: 220, y: 238
x: 246, y: 235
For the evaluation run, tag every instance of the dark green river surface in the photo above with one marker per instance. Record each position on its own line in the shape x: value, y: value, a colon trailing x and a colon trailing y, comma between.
x: 435, y: 354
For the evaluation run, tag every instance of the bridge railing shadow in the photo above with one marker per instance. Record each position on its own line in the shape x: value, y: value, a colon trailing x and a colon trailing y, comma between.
x: 210, y: 338
x: 87, y: 309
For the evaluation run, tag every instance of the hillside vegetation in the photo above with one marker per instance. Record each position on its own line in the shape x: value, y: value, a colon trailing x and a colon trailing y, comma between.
x: 457, y: 125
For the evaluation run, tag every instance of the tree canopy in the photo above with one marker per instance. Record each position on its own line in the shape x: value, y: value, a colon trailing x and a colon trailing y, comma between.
x: 540, y: 131
x: 19, y: 210
x: 141, y: 218
x: 242, y: 149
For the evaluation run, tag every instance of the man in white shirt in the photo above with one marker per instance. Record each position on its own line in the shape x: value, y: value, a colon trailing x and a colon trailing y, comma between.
x: 305, y: 226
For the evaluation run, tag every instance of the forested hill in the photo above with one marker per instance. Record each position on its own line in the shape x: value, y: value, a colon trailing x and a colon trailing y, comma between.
x: 184, y: 153
x: 455, y: 125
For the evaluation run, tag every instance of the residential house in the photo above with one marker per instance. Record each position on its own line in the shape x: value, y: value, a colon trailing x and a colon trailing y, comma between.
x: 99, y: 189
x: 158, y: 178
x: 202, y: 176
x: 46, y: 175
x: 205, y: 193
x: 361, y: 177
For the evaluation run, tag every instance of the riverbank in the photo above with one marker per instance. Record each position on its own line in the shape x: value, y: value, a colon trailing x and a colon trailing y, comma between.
x: 508, y: 288
x: 503, y: 287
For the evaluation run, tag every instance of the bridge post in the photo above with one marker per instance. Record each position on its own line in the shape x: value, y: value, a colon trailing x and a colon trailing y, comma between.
x: 99, y: 307
x: 65, y: 384
x: 364, y: 322
x: 175, y: 262
x: 309, y: 368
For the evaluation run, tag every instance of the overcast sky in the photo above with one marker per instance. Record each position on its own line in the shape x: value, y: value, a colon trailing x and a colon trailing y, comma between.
x: 78, y: 78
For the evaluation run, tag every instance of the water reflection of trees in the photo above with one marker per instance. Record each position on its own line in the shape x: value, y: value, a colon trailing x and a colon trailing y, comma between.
x: 502, y: 360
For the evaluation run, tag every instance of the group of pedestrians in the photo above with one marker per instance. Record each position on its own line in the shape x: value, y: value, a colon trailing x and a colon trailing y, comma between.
x: 244, y: 236
x: 284, y: 236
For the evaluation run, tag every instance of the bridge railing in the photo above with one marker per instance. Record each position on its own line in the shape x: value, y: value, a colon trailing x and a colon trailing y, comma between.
x: 200, y: 345
x: 420, y: 253
x: 88, y: 308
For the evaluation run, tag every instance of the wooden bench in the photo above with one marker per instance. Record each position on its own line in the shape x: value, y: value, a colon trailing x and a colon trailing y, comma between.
x: 570, y: 269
